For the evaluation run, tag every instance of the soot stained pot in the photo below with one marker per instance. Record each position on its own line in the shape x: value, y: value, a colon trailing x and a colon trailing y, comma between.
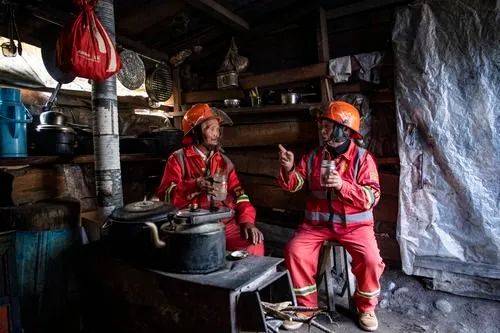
x: 127, y: 231
x: 186, y: 241
x: 55, y: 140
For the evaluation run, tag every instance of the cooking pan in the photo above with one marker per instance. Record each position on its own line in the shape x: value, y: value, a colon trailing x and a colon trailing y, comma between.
x: 49, y: 57
x: 49, y: 60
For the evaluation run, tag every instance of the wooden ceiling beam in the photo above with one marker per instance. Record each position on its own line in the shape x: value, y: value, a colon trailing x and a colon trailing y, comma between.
x: 136, y: 21
x: 220, y: 13
x: 361, y: 6
x: 285, y: 76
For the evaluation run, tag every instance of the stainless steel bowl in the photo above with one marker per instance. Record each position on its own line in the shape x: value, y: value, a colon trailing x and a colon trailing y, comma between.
x: 289, y: 98
x: 232, y: 102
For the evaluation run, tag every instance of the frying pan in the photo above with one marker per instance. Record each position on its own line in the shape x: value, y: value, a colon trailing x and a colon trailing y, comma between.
x: 49, y: 60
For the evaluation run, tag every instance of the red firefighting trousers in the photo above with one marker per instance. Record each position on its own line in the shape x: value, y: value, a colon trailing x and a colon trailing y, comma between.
x: 302, y: 255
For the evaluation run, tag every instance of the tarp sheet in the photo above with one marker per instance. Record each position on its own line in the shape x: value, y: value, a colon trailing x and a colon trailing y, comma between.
x: 448, y: 99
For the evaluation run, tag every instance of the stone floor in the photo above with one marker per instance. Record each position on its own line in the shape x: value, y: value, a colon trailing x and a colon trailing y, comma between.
x: 406, y: 306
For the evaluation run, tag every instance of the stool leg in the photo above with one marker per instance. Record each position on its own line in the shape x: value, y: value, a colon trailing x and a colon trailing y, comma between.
x: 350, y: 280
x: 329, y: 283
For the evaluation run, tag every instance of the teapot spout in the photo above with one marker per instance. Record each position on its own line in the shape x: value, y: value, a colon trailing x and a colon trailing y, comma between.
x: 155, y: 238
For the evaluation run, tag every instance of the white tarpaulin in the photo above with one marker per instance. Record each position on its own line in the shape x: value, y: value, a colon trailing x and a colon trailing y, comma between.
x: 448, y: 99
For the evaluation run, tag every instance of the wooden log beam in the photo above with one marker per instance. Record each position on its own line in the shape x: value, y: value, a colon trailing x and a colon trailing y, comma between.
x: 130, y: 16
x: 285, y: 76
x: 360, y: 7
x: 264, y: 192
x: 81, y: 159
x: 220, y: 13
x: 269, y: 134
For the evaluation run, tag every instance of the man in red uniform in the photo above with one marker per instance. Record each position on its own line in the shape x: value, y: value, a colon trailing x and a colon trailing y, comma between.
x: 189, y: 175
x: 340, y: 210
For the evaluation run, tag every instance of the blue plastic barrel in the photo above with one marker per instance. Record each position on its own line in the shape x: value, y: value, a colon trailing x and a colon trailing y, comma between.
x: 13, y: 119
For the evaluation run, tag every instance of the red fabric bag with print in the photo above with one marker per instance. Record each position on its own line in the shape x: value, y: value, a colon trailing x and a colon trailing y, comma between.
x: 84, y: 47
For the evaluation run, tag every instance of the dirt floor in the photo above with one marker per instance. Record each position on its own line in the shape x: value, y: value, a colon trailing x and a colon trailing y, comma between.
x: 407, y: 306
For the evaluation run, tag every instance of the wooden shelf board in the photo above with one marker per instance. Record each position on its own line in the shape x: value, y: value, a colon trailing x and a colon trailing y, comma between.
x: 271, y: 109
x: 82, y: 159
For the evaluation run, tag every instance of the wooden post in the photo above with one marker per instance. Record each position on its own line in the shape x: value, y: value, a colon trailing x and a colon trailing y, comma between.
x: 106, y: 131
x: 177, y: 92
x: 323, y: 53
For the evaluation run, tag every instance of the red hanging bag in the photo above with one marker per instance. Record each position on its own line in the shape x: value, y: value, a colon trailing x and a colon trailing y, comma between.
x: 84, y: 47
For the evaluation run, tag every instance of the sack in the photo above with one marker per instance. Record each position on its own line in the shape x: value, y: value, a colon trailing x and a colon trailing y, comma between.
x: 84, y: 47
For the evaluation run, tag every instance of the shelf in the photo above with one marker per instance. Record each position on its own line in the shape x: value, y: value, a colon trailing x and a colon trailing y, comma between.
x: 82, y: 159
x: 270, y: 109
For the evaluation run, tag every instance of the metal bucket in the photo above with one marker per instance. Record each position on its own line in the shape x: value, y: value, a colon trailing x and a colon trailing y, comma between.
x: 13, y: 119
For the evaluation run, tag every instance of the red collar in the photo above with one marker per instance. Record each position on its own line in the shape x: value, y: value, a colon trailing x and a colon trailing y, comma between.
x: 191, y: 151
x: 351, y: 151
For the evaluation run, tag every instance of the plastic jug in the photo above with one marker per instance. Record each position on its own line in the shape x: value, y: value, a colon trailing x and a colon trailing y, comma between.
x: 13, y: 119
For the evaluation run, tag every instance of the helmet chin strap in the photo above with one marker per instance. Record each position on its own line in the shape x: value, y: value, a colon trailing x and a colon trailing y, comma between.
x: 338, y: 136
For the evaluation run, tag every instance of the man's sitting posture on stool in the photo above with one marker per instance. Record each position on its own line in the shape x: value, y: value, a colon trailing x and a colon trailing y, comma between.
x: 340, y: 210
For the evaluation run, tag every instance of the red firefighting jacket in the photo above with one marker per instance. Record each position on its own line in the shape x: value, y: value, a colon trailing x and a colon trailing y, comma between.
x: 178, y: 184
x: 360, y: 191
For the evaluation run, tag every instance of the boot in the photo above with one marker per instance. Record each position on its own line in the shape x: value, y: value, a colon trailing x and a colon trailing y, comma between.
x: 368, y: 321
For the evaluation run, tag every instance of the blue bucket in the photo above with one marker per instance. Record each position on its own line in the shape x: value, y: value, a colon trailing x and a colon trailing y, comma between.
x: 13, y: 119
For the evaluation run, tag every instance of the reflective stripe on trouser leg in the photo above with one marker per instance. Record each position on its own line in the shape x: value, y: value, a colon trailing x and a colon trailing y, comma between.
x: 304, y: 291
x: 368, y: 295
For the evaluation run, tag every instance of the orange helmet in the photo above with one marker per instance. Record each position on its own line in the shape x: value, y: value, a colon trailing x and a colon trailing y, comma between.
x: 345, y: 114
x: 197, y: 114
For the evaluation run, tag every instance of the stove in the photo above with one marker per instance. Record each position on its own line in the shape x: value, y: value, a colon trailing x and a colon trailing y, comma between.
x: 133, y: 298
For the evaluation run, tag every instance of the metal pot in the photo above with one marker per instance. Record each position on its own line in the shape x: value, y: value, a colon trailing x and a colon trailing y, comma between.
x: 227, y: 80
x: 194, y: 241
x: 55, y: 140
x: 127, y: 233
x: 289, y: 98
x: 52, y: 118
x: 187, y: 241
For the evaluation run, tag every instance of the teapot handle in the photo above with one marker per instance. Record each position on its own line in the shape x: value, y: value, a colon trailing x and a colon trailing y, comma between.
x: 158, y: 243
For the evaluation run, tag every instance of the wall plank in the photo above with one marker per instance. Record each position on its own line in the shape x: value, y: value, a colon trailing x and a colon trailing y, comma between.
x: 269, y: 134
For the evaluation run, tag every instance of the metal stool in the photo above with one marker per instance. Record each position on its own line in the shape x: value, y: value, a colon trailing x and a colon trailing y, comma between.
x: 335, y: 269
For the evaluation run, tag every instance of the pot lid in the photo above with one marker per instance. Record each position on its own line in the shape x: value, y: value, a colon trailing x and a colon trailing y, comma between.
x: 166, y: 129
x: 143, y: 206
x: 143, y: 211
x: 198, y: 215
x: 60, y: 128
x: 192, y: 212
